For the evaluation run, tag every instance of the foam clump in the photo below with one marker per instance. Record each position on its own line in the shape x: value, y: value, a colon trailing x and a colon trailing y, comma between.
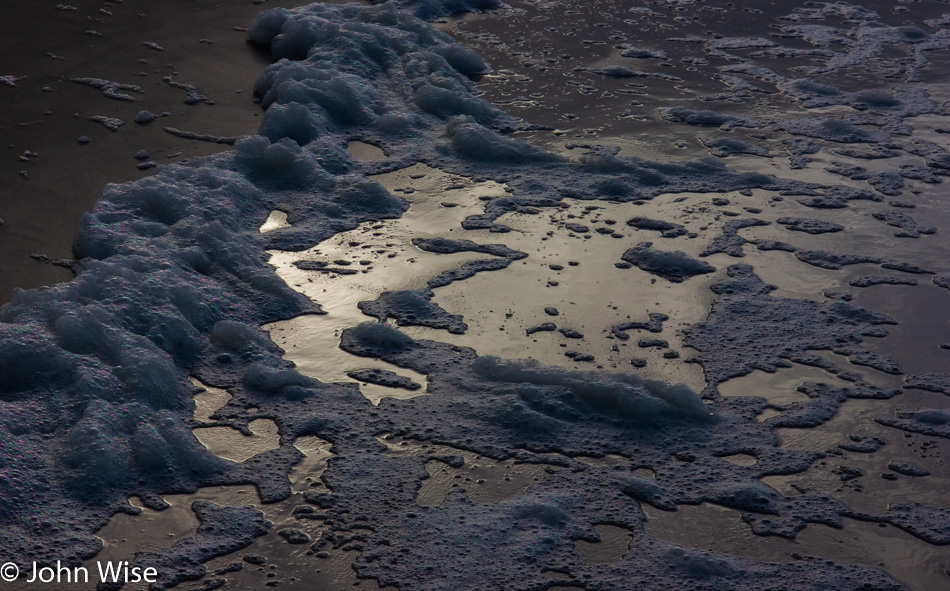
x: 429, y: 9
x: 444, y: 98
x: 934, y: 382
x: 375, y: 339
x: 618, y: 72
x: 909, y: 228
x: 871, y: 280
x: 384, y: 377
x: 689, y: 116
x: 413, y: 308
x: 32, y: 359
x: 666, y: 229
x: 293, y: 121
x: 832, y: 260
x: 931, y: 524
x: 724, y: 147
x: 674, y: 266
x: 626, y: 396
x: 810, y: 226
x: 738, y: 335
x: 450, y: 246
x: 463, y: 59
x: 907, y: 469
x: 927, y: 421
x: 641, y: 53
x: 267, y: 25
x: 832, y: 130
x: 272, y: 380
x: 372, y: 197
x: 282, y: 164
x: 701, y: 565
x: 330, y: 61
x: 237, y: 337
x: 930, y: 416
x: 480, y: 143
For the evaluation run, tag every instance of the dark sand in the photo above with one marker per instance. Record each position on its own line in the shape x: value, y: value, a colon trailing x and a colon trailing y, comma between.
x: 46, y: 112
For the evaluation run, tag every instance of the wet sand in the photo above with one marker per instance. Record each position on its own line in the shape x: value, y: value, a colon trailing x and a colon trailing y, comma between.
x: 46, y: 112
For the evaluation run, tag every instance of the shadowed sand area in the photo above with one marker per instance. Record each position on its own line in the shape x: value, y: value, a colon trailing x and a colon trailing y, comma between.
x: 45, y: 47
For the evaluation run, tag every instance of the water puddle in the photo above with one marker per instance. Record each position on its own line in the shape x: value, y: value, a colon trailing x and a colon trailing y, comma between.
x: 208, y: 400
x: 364, y: 151
x: 779, y: 387
x: 614, y: 544
x: 276, y: 220
x: 922, y: 314
x: 711, y: 527
x: 570, y: 279
x: 231, y: 444
x: 227, y: 442
x: 268, y: 558
x: 741, y: 459
x: 481, y: 479
x: 372, y: 259
x: 869, y: 483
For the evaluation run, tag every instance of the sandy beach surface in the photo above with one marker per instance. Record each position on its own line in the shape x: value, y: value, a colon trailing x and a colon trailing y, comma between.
x: 655, y: 296
x: 202, y: 42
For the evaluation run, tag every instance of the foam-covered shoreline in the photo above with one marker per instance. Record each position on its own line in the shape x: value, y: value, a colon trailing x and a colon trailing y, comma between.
x: 173, y: 282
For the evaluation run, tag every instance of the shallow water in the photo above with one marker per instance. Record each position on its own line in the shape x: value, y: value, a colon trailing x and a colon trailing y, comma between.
x: 381, y: 258
x: 915, y: 563
x: 152, y: 530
